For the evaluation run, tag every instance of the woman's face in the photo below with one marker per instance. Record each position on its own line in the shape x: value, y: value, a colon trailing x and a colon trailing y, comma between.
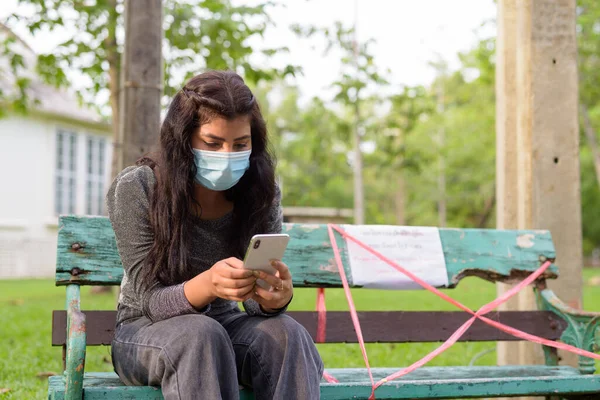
x: 224, y: 135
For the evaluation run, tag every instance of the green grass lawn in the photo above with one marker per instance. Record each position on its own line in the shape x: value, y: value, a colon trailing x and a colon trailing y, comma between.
x: 26, y: 357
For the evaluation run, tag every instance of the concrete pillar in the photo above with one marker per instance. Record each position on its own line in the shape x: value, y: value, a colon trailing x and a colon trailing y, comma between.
x: 545, y: 101
x: 506, y: 148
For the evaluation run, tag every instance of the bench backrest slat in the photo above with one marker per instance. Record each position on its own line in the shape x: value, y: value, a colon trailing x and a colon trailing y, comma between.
x: 377, y: 326
x: 87, y: 254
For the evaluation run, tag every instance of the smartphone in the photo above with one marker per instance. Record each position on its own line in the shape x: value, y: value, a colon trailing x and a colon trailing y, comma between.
x: 262, y: 249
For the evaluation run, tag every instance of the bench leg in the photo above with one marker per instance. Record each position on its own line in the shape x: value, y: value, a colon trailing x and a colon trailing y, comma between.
x: 64, y: 356
x: 551, y: 355
x: 76, y: 342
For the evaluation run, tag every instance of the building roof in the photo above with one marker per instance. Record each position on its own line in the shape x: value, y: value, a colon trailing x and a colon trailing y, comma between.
x: 61, y: 102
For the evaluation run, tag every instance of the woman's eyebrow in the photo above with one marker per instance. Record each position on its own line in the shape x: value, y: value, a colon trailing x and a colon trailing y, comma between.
x: 242, y: 138
x: 215, y: 137
x: 211, y: 136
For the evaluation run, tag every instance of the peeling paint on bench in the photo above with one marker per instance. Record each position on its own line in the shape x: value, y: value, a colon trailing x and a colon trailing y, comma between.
x: 87, y: 254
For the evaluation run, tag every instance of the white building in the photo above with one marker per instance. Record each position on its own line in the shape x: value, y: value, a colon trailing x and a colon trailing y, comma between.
x: 55, y: 160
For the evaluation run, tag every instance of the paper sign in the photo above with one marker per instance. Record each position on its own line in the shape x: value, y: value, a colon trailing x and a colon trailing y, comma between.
x: 416, y: 249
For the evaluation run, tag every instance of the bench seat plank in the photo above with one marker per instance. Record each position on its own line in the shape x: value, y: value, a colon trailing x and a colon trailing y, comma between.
x: 88, y: 244
x: 427, y: 382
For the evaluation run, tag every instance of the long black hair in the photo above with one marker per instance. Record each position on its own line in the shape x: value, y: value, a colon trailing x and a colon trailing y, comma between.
x: 210, y: 95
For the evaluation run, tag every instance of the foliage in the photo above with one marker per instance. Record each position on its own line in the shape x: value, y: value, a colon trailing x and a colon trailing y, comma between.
x: 589, y: 94
x: 405, y: 139
x: 314, y: 141
x: 311, y: 146
x: 13, y: 76
x: 588, y: 48
x: 209, y: 34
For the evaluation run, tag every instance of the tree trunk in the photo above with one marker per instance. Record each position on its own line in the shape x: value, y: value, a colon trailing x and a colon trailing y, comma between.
x: 442, y: 213
x: 359, y: 207
x: 487, y: 211
x: 359, y: 196
x: 141, y: 81
x: 400, y: 200
x: 114, y: 71
x: 114, y: 83
x: 590, y: 135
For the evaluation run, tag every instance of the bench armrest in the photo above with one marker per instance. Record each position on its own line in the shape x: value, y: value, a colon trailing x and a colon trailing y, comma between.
x: 583, y: 329
x: 76, y: 342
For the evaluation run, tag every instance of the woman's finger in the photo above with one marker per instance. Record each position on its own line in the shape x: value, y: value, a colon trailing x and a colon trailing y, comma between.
x: 234, y: 262
x: 231, y: 272
x: 271, y: 280
x: 239, y: 294
x: 265, y: 294
x: 284, y: 271
x: 237, y: 283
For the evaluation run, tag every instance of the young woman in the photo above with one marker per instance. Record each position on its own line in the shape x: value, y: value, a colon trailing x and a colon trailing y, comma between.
x: 182, y: 220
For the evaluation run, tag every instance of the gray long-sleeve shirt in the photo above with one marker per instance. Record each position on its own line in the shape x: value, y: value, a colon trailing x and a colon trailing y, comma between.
x: 128, y: 203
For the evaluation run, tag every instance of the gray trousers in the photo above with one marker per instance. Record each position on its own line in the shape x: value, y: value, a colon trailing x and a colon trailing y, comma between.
x: 201, y: 357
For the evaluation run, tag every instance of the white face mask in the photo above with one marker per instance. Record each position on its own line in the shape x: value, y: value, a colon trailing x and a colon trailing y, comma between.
x: 217, y: 170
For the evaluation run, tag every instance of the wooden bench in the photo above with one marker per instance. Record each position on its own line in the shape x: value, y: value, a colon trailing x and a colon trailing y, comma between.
x: 87, y: 255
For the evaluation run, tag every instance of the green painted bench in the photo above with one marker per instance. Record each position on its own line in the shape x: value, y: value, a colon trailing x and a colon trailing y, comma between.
x: 87, y: 255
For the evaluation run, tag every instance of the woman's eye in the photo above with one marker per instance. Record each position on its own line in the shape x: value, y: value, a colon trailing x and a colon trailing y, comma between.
x: 241, y: 145
x: 212, y: 145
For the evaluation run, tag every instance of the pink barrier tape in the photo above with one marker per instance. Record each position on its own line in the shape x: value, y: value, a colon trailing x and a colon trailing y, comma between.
x: 322, y: 316
x: 460, y: 331
x: 329, y: 378
x: 321, y: 327
x: 353, y: 314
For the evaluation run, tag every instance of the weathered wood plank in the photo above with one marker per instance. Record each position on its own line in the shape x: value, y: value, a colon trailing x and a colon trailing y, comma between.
x: 87, y: 254
x: 427, y: 382
x: 455, y: 372
x: 310, y: 257
x: 467, y: 388
x: 378, y: 326
x: 496, y: 255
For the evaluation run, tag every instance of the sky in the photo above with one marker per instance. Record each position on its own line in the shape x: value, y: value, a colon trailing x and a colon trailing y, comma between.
x: 407, y: 34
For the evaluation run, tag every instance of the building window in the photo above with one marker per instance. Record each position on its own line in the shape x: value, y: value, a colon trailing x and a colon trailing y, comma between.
x: 95, y: 175
x: 66, y: 162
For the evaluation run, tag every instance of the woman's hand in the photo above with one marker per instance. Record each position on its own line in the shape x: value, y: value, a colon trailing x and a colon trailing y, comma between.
x: 281, y: 290
x: 228, y: 279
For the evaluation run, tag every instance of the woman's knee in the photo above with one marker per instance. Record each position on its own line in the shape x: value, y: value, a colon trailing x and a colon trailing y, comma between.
x: 193, y: 326
x: 197, y: 333
x: 286, y: 354
x: 284, y: 332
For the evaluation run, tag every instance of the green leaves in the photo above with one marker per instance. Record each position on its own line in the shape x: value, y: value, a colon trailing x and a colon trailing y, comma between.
x: 199, y: 35
x: 311, y: 152
x: 588, y: 36
x: 215, y: 35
